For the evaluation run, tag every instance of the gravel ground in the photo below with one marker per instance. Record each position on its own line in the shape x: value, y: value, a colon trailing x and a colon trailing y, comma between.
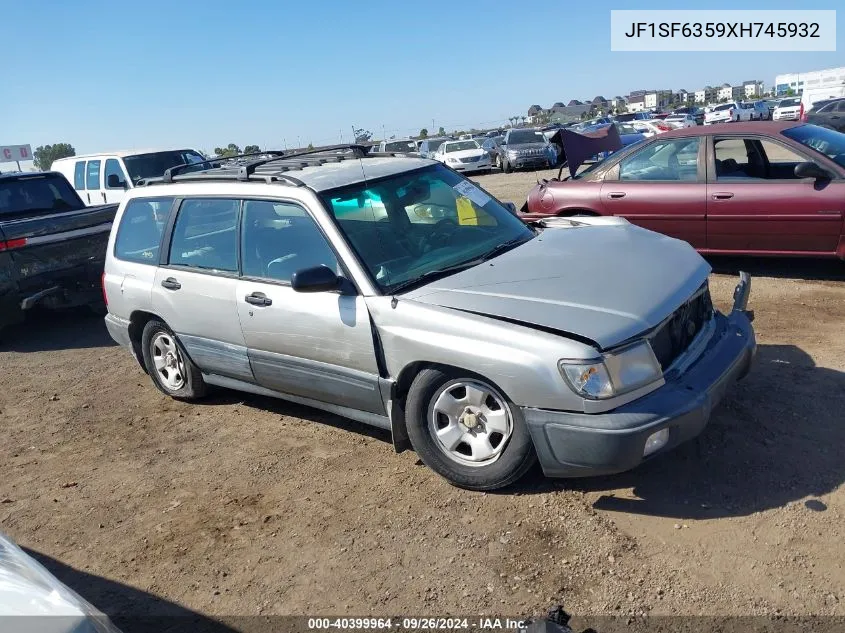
x: 244, y: 505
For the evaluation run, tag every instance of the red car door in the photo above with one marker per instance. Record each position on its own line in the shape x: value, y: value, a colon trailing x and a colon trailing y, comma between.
x: 755, y: 204
x: 661, y: 187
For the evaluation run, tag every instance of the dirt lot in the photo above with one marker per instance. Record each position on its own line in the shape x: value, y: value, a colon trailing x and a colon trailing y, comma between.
x: 245, y: 505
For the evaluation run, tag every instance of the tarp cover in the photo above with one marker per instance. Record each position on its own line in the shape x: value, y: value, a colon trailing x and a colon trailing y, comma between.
x: 577, y: 148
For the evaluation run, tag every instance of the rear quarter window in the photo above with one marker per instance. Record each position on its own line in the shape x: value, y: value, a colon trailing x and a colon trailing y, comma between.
x: 79, y: 175
x: 141, y: 227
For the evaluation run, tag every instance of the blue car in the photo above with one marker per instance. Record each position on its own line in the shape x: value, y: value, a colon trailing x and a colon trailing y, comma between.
x: 627, y: 134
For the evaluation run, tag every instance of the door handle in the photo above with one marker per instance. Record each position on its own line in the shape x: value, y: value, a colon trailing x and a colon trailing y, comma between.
x: 258, y: 299
x: 616, y: 195
x: 104, y: 195
x: 171, y: 284
x: 723, y: 195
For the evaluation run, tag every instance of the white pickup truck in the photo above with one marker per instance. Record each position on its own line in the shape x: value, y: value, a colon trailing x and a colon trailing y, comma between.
x: 727, y: 112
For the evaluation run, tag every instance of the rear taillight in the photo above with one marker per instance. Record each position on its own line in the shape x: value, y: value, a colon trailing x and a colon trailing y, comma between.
x: 103, y: 282
x: 802, y: 116
x: 10, y: 244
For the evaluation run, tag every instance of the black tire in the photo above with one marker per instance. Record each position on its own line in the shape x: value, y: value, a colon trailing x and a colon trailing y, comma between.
x: 513, y: 462
x: 193, y: 386
x: 506, y: 166
x: 498, y: 162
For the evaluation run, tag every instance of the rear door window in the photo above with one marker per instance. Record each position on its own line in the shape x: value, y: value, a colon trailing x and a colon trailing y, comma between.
x: 141, y: 226
x: 92, y: 175
x: 113, y: 169
x: 205, y: 235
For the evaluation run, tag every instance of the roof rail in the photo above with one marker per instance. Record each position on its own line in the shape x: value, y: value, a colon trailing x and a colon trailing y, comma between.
x: 168, y: 174
x: 358, y: 151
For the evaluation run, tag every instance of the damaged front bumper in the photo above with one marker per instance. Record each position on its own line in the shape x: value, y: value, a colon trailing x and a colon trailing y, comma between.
x: 577, y: 444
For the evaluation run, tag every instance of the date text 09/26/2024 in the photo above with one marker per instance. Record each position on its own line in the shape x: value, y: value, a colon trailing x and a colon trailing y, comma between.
x: 416, y: 624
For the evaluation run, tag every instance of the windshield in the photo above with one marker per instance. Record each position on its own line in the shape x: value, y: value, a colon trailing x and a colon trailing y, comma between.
x: 32, y: 194
x: 155, y: 164
x: 460, y: 146
x: 422, y: 222
x: 822, y: 139
x: 788, y: 103
x: 523, y: 137
x: 400, y: 146
x: 433, y: 145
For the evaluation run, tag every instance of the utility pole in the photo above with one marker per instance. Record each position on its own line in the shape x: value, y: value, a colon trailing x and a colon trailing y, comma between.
x: 383, y: 133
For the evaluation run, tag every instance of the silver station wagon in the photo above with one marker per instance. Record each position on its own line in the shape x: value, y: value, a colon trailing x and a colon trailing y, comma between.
x: 395, y: 292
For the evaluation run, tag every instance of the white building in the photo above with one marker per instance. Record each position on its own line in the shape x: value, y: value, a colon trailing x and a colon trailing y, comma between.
x: 658, y: 99
x: 726, y: 92
x: 636, y: 103
x: 752, y: 89
x: 812, y: 79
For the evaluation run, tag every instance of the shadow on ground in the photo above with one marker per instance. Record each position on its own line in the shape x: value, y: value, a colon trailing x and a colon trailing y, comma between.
x: 776, y: 438
x: 45, y: 330
x: 780, y: 267
x: 132, y: 610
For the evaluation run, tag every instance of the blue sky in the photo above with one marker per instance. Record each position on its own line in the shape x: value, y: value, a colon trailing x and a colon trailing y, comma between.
x: 114, y: 75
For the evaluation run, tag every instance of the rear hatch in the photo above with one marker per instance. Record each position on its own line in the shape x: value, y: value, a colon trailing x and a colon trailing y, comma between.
x: 48, y: 234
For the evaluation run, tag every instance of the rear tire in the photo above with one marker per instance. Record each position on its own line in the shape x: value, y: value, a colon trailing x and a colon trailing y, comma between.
x: 493, y: 454
x: 172, y: 371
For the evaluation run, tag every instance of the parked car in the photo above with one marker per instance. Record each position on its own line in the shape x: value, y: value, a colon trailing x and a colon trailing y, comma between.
x: 430, y: 145
x: 681, y: 120
x: 747, y: 189
x: 105, y: 178
x: 526, y: 147
x: 810, y: 96
x: 787, y: 109
x: 725, y: 112
x: 771, y: 104
x: 760, y: 110
x: 463, y: 156
x: 52, y: 247
x: 696, y: 112
x: 493, y: 147
x: 33, y: 599
x: 477, y: 340
x: 828, y: 114
x: 627, y: 117
x: 650, y: 128
x: 401, y: 146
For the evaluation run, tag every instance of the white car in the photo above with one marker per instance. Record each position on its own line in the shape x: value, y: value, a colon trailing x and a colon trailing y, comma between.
x: 650, y: 128
x: 727, y: 112
x: 680, y: 120
x: 787, y: 109
x: 463, y: 156
x: 33, y: 599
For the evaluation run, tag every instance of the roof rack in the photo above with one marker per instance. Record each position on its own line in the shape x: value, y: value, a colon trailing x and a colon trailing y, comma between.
x: 282, y: 162
x: 169, y: 173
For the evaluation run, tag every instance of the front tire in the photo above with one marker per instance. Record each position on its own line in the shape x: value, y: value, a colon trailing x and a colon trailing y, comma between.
x: 506, y: 166
x: 466, y: 430
x: 172, y: 371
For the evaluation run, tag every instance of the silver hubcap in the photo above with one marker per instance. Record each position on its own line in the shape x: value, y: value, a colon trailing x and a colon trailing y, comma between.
x: 471, y: 423
x: 168, y: 361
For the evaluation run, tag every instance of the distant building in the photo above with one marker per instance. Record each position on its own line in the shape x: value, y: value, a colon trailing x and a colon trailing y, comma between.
x: 725, y: 92
x: 658, y: 99
x: 636, y: 103
x: 708, y: 94
x: 573, y: 102
x: 812, y: 79
x: 752, y: 89
x: 565, y: 114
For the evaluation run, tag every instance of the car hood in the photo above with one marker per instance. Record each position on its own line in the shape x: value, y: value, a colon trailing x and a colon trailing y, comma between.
x: 467, y: 153
x: 526, y: 146
x: 607, y: 284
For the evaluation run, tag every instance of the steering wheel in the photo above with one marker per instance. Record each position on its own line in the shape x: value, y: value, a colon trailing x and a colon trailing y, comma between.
x: 440, y: 232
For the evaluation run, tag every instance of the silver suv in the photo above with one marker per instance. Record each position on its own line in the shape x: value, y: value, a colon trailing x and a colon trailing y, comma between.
x: 397, y: 293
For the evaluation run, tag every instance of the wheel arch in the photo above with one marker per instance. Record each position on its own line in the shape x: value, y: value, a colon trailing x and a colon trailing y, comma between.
x: 137, y: 322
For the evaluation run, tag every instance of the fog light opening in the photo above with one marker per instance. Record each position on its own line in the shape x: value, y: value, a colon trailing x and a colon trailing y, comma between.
x: 656, y: 441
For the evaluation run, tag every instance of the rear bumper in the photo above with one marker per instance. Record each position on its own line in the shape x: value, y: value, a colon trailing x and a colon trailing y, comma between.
x: 119, y: 330
x: 578, y: 444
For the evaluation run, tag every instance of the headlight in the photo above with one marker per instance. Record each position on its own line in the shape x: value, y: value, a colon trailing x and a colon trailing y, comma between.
x: 512, y: 153
x: 615, y: 374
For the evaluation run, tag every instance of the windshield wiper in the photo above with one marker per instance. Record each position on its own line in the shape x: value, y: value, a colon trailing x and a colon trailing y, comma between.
x: 431, y: 275
x: 504, y: 247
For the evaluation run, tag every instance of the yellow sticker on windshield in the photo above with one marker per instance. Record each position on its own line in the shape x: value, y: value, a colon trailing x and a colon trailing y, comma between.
x: 471, y: 215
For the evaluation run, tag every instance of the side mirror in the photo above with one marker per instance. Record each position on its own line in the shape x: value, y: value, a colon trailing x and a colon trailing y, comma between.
x: 315, y: 279
x: 114, y: 182
x: 809, y: 169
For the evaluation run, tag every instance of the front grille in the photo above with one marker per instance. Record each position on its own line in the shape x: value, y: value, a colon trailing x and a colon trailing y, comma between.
x: 674, y: 335
x: 471, y: 159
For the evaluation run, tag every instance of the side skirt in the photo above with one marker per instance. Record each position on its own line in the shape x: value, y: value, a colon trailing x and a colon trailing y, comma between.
x: 365, y: 417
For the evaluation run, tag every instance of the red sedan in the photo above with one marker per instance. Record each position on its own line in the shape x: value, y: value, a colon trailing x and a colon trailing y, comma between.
x: 765, y: 188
